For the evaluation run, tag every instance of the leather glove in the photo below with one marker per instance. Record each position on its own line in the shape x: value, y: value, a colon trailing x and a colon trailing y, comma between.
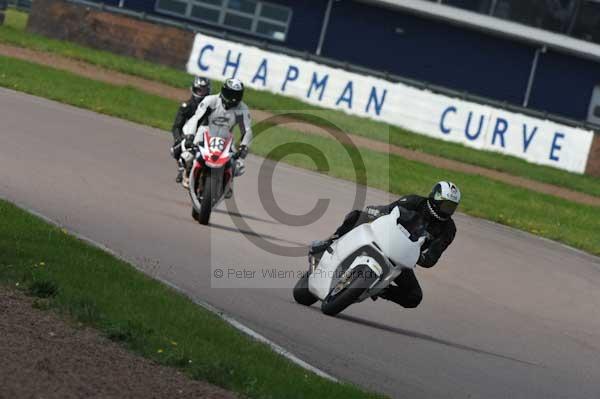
x: 242, y: 152
x: 412, y: 221
x: 373, y: 212
x: 189, y: 141
x: 176, y: 151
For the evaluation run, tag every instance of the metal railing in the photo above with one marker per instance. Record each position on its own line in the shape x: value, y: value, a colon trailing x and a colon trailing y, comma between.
x: 337, y: 64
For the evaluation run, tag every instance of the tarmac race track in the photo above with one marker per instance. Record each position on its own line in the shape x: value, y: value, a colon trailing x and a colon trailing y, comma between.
x: 505, y: 314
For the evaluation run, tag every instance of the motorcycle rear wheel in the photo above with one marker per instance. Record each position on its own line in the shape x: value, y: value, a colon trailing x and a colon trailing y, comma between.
x: 301, y: 293
x: 362, y: 278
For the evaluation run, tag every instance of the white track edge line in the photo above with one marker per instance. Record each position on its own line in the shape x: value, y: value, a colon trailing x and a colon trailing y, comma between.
x: 221, y: 314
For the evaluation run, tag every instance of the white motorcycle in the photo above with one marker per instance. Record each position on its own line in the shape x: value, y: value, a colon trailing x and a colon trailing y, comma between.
x: 359, y: 265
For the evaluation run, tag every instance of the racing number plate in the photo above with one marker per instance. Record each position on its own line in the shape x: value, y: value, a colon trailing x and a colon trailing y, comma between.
x: 216, y: 144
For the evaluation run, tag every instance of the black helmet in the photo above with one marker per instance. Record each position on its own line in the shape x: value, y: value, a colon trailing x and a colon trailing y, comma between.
x: 232, y: 93
x: 200, y: 87
x: 443, y: 200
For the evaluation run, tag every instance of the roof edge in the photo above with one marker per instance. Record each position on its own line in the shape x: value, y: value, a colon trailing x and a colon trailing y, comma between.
x: 495, y: 26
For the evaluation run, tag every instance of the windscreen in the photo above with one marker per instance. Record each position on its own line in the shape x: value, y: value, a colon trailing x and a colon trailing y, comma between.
x: 217, y: 131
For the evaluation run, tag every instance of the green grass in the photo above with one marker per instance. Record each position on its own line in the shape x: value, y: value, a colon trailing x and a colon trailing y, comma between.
x: 13, y: 33
x: 541, y: 214
x: 147, y: 317
x: 124, y: 102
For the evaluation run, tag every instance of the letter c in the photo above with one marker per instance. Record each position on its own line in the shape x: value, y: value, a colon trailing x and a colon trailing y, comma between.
x: 443, y: 128
x: 204, y: 67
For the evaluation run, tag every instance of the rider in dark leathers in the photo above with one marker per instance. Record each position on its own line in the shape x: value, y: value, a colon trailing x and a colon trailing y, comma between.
x: 200, y: 89
x: 420, y: 215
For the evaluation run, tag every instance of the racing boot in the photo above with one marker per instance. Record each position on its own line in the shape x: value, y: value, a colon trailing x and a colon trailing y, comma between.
x: 179, y: 177
x: 318, y: 247
x: 380, y: 295
x: 391, y: 293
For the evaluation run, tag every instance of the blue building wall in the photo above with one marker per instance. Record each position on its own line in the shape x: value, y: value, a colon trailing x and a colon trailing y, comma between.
x: 436, y: 52
x: 564, y: 85
x: 428, y: 50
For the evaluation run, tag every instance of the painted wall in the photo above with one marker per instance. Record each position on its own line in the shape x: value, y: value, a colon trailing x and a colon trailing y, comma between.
x: 452, y: 119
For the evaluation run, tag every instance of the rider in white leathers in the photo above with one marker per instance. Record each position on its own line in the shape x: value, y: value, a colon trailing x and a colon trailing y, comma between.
x: 220, y: 113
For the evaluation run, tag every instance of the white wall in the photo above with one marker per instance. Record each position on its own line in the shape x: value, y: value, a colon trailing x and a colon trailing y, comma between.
x: 451, y: 119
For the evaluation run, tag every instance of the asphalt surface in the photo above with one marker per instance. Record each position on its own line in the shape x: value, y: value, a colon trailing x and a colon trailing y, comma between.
x: 505, y: 314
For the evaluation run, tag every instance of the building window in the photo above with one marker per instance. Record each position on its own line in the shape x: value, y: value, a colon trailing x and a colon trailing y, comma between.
x: 578, y: 18
x: 172, y: 6
x: 249, y: 16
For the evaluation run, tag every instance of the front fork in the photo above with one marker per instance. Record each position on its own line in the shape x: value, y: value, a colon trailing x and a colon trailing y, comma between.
x: 227, y: 177
x: 313, y: 262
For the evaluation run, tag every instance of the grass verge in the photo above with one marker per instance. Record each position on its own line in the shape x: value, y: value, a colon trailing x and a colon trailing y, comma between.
x: 14, y: 33
x: 149, y: 318
x: 541, y: 214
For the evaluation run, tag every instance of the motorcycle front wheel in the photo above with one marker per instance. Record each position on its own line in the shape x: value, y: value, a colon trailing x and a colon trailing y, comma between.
x: 361, y: 278
x: 206, y: 202
x: 211, y: 194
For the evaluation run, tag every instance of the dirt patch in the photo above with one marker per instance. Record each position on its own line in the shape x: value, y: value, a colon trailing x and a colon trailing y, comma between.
x: 44, y: 356
x: 93, y: 72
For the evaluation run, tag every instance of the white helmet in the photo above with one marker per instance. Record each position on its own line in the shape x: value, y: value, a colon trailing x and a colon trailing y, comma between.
x: 443, y: 200
x: 232, y: 93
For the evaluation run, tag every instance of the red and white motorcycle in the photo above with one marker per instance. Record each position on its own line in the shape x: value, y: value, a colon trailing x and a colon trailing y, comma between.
x: 212, y: 173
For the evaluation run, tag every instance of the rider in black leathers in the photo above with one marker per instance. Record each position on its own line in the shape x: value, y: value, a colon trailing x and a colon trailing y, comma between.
x: 200, y: 89
x: 433, y: 214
